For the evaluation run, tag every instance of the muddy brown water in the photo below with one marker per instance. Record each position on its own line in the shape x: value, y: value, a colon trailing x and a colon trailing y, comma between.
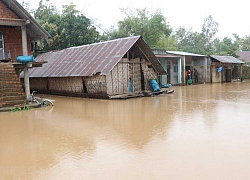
x: 199, y: 132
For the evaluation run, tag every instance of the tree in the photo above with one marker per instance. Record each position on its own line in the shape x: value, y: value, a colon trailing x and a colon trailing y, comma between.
x: 225, y: 47
x: 209, y: 29
x: 152, y: 27
x: 70, y: 28
x: 189, y: 41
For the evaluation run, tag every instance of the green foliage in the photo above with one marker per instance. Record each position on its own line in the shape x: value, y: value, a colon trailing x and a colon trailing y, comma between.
x: 152, y: 27
x: 189, y: 41
x: 225, y: 47
x: 20, y: 107
x: 68, y: 29
x: 169, y: 43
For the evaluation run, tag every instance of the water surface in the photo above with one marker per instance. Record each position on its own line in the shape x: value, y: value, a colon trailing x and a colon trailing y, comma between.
x: 198, y: 132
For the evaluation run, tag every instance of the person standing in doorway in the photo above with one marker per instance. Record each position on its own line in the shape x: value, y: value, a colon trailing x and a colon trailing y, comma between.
x: 188, y: 76
x: 196, y: 76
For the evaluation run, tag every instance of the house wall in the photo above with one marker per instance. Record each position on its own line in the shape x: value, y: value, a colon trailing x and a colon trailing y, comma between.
x: 68, y: 85
x: 12, y: 35
x: 118, y: 80
x: 13, y: 41
x: 5, y: 12
x: 218, y: 77
x: 135, y: 74
x: 38, y: 84
x: 95, y: 84
x: 149, y: 73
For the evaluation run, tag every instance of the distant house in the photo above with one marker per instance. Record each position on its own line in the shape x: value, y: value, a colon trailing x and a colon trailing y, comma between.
x: 101, y: 70
x: 177, y: 63
x: 222, y: 68
x: 244, y: 56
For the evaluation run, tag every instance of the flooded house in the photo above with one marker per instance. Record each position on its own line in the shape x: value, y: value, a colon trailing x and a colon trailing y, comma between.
x: 19, y: 33
x: 177, y: 63
x: 210, y: 69
x: 120, y: 67
x: 223, y: 67
x: 245, y: 57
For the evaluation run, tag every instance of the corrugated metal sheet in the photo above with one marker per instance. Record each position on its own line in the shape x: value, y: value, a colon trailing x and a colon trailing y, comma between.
x: 244, y: 55
x: 227, y: 59
x: 91, y: 59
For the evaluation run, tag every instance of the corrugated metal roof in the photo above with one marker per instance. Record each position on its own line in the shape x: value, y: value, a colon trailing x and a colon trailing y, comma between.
x: 227, y: 59
x: 91, y: 59
x: 184, y: 53
x: 244, y: 55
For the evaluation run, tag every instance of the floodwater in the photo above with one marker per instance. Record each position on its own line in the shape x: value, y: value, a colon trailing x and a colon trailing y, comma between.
x: 199, y: 132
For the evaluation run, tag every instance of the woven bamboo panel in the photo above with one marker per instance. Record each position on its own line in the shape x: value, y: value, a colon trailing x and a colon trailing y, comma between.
x: 149, y: 73
x: 135, y: 74
x: 118, y: 79
x: 66, y: 84
x: 38, y: 84
x: 96, y: 84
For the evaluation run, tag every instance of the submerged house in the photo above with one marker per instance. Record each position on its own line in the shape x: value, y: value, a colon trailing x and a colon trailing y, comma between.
x: 19, y: 33
x: 101, y: 70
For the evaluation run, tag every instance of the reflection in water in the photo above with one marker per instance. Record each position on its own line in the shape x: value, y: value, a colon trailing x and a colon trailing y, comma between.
x: 198, y: 132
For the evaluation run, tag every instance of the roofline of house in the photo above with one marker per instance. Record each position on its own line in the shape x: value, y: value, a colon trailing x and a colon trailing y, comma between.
x: 17, y: 8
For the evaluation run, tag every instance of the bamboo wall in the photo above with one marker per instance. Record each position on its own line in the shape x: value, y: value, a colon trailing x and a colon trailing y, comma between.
x: 38, y: 84
x: 96, y: 84
x: 118, y: 80
x: 57, y: 85
x: 135, y: 74
x: 148, y: 73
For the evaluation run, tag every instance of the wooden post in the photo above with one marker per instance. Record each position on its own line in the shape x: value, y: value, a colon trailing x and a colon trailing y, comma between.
x: 205, y: 70
x: 25, y: 53
x: 241, y: 72
x: 184, y: 70
x: 179, y: 71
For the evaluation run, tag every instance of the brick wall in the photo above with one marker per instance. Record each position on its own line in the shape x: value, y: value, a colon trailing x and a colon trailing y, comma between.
x: 12, y: 35
x: 5, y: 12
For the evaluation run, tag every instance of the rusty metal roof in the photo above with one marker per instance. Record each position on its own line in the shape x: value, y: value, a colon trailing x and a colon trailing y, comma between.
x: 244, y: 55
x: 227, y: 59
x: 88, y: 60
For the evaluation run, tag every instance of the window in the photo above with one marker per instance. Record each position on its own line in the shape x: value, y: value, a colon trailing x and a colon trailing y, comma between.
x: 1, y: 46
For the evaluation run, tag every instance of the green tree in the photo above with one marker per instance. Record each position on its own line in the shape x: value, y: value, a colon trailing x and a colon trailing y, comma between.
x: 189, y: 41
x: 225, y: 47
x: 152, y: 27
x: 76, y: 29
x: 70, y: 28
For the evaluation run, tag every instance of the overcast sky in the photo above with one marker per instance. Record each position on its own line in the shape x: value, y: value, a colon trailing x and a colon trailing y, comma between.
x: 232, y: 16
